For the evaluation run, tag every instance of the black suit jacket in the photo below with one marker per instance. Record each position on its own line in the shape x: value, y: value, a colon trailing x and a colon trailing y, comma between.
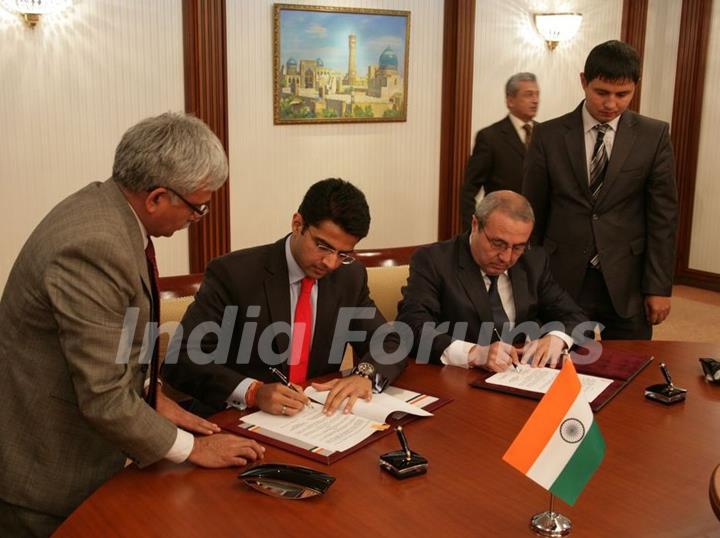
x: 446, y: 285
x: 633, y: 222
x: 258, y: 277
x: 496, y: 163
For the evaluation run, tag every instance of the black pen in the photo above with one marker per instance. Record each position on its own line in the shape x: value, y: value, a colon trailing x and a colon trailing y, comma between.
x: 500, y: 340
x: 666, y: 374
x: 403, y: 443
x: 285, y: 381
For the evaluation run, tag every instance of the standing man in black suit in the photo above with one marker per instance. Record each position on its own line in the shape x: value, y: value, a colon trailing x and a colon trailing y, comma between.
x: 293, y: 302
x: 465, y: 291
x: 496, y: 162
x: 601, y: 181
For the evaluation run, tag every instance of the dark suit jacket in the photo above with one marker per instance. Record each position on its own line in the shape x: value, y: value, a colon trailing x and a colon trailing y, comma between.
x: 496, y: 163
x: 72, y: 409
x: 633, y: 221
x: 259, y: 277
x: 445, y: 284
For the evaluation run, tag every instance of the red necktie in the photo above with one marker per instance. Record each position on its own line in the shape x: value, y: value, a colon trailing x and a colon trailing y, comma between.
x: 151, y: 397
x: 302, y: 333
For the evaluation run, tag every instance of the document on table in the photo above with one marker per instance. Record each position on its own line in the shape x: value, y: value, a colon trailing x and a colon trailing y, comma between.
x: 338, y: 432
x: 540, y: 379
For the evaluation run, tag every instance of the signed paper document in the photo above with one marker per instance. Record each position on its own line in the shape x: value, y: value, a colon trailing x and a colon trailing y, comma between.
x: 338, y: 432
x: 540, y: 379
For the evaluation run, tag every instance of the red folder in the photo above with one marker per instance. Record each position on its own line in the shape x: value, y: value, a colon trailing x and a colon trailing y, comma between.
x: 231, y: 420
x: 620, y: 366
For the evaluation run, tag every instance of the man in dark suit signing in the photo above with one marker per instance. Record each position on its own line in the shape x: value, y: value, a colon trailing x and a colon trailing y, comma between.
x: 297, y: 302
x: 464, y: 292
x: 601, y: 181
x: 496, y: 162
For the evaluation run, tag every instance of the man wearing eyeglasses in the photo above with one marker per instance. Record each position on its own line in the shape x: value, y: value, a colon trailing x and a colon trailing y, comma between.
x: 78, y: 396
x: 280, y: 305
x: 465, y: 295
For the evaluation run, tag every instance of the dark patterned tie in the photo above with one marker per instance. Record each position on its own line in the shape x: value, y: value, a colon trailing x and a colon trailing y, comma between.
x: 598, y: 167
x: 151, y: 397
x: 500, y: 318
x: 528, y: 128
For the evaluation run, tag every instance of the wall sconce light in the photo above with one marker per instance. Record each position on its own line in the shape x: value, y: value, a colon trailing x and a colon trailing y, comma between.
x: 31, y: 10
x: 557, y: 27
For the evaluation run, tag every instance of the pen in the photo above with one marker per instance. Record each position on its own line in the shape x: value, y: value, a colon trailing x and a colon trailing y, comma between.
x: 403, y: 443
x: 500, y: 340
x: 284, y: 380
x: 666, y: 374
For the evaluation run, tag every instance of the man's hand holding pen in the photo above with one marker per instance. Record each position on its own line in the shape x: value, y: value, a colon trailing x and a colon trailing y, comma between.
x: 282, y: 398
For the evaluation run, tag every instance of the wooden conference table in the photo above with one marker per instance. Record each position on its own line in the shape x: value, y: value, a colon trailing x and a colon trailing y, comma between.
x: 653, y: 481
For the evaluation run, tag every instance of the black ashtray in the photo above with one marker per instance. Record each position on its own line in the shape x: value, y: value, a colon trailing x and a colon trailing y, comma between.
x: 711, y: 369
x: 287, y: 481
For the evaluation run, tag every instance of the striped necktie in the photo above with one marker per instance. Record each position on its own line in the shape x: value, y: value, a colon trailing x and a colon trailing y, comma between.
x: 598, y: 164
x: 528, y: 128
x: 598, y: 167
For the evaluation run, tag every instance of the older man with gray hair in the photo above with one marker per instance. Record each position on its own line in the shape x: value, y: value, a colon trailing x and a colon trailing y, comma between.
x: 467, y: 297
x: 78, y: 397
x: 497, y: 159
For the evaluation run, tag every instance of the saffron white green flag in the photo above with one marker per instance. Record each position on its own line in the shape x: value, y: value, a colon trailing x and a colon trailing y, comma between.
x: 560, y: 447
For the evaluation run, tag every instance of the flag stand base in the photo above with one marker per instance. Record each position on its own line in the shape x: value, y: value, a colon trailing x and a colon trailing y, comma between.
x: 550, y: 524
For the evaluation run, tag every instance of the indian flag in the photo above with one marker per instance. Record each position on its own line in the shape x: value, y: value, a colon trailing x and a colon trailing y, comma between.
x: 560, y: 447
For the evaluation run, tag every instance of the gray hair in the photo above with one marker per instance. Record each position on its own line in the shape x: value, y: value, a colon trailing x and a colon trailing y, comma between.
x: 170, y: 150
x: 513, y: 84
x: 514, y: 205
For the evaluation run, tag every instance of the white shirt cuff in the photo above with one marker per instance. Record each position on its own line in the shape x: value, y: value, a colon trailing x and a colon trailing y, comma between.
x: 237, y: 397
x: 564, y: 337
x: 457, y: 354
x: 181, y: 448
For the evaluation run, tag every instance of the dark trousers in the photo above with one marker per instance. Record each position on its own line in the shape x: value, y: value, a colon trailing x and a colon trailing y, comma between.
x: 595, y: 301
x: 20, y: 522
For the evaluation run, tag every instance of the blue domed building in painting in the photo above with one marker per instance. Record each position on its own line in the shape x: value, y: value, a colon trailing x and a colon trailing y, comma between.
x: 388, y: 59
x: 384, y: 81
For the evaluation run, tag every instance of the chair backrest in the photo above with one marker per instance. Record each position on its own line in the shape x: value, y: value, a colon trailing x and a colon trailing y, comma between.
x: 715, y: 491
x: 385, y: 284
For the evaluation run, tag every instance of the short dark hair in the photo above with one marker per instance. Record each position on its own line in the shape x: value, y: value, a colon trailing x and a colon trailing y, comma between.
x: 338, y: 201
x: 613, y: 61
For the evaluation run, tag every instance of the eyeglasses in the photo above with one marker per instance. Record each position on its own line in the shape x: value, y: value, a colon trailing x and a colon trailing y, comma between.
x: 498, y: 245
x: 327, y: 250
x: 200, y: 210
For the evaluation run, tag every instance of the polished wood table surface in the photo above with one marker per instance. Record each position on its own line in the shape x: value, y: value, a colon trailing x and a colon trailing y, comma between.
x: 653, y: 481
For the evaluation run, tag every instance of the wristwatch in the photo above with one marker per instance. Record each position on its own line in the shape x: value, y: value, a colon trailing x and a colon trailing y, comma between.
x: 365, y: 369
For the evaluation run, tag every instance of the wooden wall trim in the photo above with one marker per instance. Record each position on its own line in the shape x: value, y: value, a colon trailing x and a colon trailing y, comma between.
x: 634, y: 24
x: 458, y: 49
x: 686, y: 118
x: 205, y: 60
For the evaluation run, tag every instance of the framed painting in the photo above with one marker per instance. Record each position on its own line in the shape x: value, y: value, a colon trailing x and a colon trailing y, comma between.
x: 337, y: 65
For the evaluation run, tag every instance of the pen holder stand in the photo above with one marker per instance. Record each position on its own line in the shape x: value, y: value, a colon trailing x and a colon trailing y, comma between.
x: 401, y: 466
x: 666, y: 393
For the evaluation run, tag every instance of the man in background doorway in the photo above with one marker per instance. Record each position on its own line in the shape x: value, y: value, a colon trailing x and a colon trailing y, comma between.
x: 497, y: 159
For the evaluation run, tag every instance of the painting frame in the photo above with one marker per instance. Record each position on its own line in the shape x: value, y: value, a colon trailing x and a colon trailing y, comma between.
x: 306, y: 91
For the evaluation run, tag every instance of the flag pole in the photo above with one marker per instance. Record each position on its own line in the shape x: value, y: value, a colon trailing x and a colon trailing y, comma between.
x: 551, y: 523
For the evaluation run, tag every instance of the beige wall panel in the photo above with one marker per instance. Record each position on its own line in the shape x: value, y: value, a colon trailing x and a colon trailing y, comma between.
x: 661, y: 44
x: 704, y: 251
x: 395, y: 164
x: 506, y: 42
x: 70, y: 88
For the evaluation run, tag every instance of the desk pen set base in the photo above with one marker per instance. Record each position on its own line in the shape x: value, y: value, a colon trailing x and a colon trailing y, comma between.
x: 403, y: 465
x: 550, y: 524
x: 665, y: 393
